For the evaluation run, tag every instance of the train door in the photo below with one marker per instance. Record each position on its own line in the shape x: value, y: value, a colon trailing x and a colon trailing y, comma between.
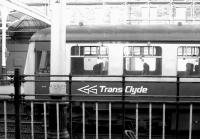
x: 42, y: 70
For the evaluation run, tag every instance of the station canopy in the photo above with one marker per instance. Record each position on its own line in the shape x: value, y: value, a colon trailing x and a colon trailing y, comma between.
x: 21, y: 25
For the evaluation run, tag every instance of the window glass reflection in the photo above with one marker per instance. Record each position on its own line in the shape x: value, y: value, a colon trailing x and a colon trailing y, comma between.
x: 42, y: 61
x: 188, y: 61
x: 89, y: 60
x: 142, y: 60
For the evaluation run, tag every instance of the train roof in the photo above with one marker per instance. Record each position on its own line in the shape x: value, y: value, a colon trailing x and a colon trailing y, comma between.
x: 126, y: 33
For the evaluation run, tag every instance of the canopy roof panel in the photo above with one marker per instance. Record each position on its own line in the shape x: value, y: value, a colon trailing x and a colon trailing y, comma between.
x: 26, y: 24
x: 19, y: 24
x: 22, y: 18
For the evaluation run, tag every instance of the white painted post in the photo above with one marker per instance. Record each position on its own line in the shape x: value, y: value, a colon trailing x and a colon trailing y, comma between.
x: 163, y: 121
x: 58, y: 67
x: 4, y: 15
x: 58, y: 47
x: 150, y: 120
x: 190, y: 121
x: 83, y: 119
x: 110, y: 120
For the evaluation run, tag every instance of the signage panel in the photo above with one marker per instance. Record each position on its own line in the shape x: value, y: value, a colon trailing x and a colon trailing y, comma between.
x: 116, y: 89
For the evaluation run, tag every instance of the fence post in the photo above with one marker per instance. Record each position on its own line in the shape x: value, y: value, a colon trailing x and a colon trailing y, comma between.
x: 70, y: 105
x: 17, y: 84
x: 177, y: 106
x: 123, y: 105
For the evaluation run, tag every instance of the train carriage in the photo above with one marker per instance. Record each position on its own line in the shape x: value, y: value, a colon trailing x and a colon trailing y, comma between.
x: 141, y: 62
x: 157, y: 53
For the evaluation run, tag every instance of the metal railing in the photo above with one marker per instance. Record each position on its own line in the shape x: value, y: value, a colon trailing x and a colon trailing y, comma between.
x: 97, y: 116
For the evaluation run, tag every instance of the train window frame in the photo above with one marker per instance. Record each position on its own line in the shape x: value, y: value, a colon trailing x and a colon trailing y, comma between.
x: 97, y: 57
x: 42, y: 62
x: 188, y: 60
x: 147, y: 53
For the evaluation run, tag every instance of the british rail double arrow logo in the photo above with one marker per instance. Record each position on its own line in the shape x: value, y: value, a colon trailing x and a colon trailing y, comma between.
x: 87, y: 89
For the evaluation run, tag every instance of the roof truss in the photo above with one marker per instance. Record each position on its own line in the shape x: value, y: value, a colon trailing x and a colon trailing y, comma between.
x: 23, y: 8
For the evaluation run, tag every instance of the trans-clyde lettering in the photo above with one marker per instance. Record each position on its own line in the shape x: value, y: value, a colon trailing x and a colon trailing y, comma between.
x: 128, y: 89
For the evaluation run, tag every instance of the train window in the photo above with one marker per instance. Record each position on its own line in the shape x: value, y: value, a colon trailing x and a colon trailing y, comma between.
x: 89, y: 60
x: 142, y: 60
x: 188, y: 60
x: 42, y: 62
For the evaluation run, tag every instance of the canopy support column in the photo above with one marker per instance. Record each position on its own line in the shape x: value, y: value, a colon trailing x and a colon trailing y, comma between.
x: 4, y: 15
x: 58, y: 67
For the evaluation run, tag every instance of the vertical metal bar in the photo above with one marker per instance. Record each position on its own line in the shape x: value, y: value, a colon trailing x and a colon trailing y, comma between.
x: 149, y: 12
x: 5, y: 119
x: 4, y: 15
x: 97, y: 119
x: 17, y: 84
x: 32, y: 120
x: 190, y: 124
x: 177, y: 106
x: 123, y: 106
x: 110, y: 120
x: 163, y: 125
x: 150, y: 120
x: 70, y: 105
x: 46, y: 8
x: 193, y: 12
x: 58, y: 124
x: 45, y: 120
x: 83, y: 112
x: 136, y: 126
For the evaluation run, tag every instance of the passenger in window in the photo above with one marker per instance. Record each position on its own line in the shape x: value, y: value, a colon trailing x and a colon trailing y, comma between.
x: 189, y: 68
x: 105, y: 66
x: 145, y: 69
x: 98, y: 69
x: 196, y: 69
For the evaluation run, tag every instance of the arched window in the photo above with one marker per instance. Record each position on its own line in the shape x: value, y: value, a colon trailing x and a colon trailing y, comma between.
x: 188, y: 61
x: 89, y: 60
x: 142, y: 60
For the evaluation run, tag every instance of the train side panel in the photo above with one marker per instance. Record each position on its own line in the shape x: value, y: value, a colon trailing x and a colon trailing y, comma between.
x: 29, y: 87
